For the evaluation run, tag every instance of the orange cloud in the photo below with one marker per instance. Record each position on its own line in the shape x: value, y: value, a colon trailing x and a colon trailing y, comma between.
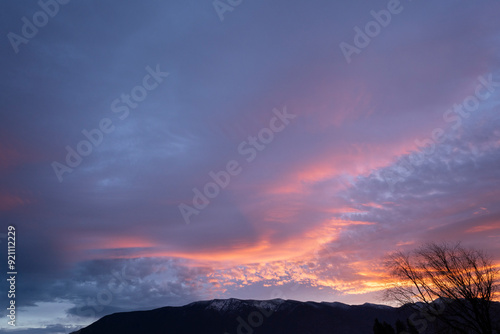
x: 9, y: 201
x: 483, y: 228
x: 117, y: 242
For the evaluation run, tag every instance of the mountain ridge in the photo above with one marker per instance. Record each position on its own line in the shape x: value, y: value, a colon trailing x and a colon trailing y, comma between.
x: 240, y: 316
x: 228, y: 316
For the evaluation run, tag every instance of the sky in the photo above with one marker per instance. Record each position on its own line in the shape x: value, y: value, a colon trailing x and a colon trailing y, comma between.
x: 156, y: 153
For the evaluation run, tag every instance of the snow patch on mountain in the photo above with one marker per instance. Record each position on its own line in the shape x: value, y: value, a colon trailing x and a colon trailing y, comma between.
x: 337, y: 305
x: 223, y: 305
x: 380, y: 307
x: 269, y: 305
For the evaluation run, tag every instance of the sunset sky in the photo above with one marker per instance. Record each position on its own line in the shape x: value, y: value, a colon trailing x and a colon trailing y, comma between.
x: 335, y: 139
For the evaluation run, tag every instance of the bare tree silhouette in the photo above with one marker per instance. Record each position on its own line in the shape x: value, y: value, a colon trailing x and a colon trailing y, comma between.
x: 456, y: 285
